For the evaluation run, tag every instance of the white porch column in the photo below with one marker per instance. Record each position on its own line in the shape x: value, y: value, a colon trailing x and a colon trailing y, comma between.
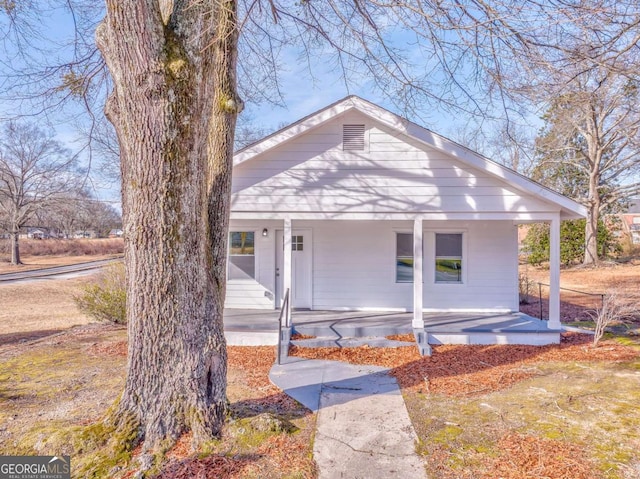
x: 554, y: 273
x: 418, y: 319
x: 286, y: 274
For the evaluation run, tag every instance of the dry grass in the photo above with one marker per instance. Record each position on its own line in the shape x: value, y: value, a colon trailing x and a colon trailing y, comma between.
x: 39, y: 308
x: 575, y: 307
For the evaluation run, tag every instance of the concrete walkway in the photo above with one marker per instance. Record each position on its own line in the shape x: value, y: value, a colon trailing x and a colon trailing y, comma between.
x: 363, y: 429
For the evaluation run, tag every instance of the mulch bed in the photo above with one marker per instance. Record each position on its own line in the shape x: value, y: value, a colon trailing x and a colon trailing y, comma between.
x: 471, y: 369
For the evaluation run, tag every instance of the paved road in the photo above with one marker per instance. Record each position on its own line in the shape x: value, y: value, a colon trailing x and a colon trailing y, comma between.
x: 56, y: 272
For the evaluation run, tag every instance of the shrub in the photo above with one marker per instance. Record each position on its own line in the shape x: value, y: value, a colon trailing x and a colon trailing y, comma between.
x: 536, y: 243
x: 615, y: 308
x: 105, y: 299
x: 525, y: 287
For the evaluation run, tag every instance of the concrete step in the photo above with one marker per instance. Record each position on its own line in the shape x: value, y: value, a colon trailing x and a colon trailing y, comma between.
x: 349, y: 342
x: 349, y: 330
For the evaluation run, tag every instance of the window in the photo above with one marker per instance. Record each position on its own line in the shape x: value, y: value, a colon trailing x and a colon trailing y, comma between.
x: 404, y: 258
x: 297, y: 243
x: 353, y: 137
x: 448, y: 258
x: 242, y: 256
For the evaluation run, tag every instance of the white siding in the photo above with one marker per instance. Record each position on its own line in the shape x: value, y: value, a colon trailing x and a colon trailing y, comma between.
x: 490, y: 267
x: 395, y: 174
x: 353, y: 261
x: 354, y: 265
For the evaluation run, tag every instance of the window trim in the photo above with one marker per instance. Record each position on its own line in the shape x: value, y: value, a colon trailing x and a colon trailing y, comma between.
x: 255, y: 255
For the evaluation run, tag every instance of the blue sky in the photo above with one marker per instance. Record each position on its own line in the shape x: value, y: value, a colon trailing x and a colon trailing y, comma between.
x: 303, y: 93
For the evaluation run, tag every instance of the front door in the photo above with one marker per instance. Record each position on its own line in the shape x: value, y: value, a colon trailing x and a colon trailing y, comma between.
x: 300, y: 268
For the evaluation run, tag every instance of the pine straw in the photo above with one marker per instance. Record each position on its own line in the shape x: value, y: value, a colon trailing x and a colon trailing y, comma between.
x: 471, y: 370
x: 520, y: 457
x: 299, y: 336
x: 409, y: 337
x: 526, y: 457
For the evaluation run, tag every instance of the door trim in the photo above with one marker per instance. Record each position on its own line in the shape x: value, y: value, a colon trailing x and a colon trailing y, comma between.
x: 279, y: 260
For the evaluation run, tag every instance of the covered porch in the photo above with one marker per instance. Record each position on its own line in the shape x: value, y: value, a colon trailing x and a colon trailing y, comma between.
x: 338, y: 267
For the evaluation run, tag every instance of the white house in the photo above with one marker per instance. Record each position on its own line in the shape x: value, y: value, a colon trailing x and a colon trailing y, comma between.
x: 356, y: 208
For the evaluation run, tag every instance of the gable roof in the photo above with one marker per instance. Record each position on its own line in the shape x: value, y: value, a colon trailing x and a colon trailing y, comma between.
x: 570, y: 209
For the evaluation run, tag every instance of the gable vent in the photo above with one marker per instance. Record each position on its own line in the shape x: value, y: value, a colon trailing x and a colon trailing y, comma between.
x: 353, y: 137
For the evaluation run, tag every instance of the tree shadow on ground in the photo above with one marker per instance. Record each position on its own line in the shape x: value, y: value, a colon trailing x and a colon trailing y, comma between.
x: 21, y: 337
x: 279, y: 404
x: 210, y: 467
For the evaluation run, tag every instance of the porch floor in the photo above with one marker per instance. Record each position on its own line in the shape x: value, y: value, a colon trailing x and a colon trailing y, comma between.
x: 443, y: 328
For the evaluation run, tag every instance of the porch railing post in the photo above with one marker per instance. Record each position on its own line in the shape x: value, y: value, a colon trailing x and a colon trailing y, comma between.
x: 540, y: 298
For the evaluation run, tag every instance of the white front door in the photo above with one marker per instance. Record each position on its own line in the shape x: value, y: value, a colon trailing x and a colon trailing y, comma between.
x: 301, y: 241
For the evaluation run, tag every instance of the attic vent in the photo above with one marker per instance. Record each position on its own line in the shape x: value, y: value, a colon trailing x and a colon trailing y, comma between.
x: 353, y: 137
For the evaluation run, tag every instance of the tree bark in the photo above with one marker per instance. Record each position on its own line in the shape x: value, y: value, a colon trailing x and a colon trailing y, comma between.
x: 15, y: 246
x: 591, y: 237
x: 174, y: 107
x: 594, y: 199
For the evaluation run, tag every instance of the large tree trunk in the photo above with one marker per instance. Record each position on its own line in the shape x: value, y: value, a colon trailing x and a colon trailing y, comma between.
x: 15, y: 246
x: 174, y: 108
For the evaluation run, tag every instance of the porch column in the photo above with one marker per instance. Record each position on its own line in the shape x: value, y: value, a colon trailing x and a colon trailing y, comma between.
x: 418, y: 319
x: 554, y: 273
x: 286, y: 274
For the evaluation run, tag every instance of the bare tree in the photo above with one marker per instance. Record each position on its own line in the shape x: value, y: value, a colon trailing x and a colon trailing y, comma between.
x: 592, y: 138
x: 80, y: 211
x: 615, y: 307
x: 35, y: 173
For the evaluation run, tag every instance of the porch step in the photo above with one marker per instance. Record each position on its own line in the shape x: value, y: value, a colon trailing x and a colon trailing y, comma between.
x: 331, y: 339
x: 345, y: 342
x: 349, y: 329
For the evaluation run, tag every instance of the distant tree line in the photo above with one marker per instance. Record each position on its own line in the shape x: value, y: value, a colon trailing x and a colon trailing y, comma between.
x: 42, y: 185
